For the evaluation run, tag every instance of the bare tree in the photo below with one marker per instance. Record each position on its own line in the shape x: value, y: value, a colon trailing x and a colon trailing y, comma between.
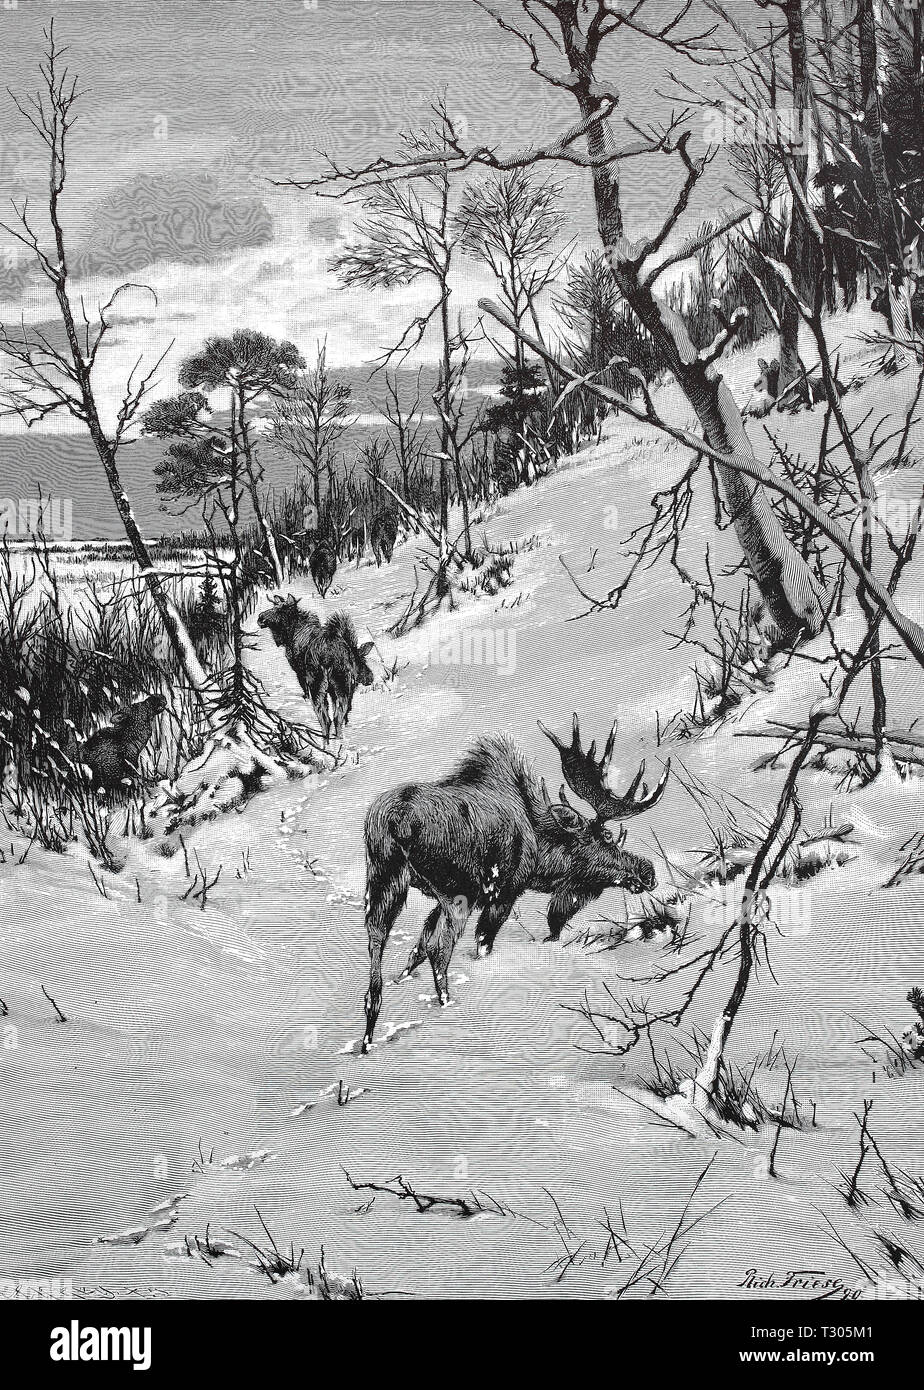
x: 406, y: 431
x: 805, y: 269
x: 311, y: 418
x: 510, y: 222
x: 44, y: 380
x: 408, y: 235
x: 451, y: 402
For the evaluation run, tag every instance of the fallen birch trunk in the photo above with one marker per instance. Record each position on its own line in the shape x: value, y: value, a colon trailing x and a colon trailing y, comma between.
x: 906, y: 746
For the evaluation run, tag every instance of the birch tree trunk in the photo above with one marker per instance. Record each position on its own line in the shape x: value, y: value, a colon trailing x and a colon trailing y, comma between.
x: 783, y: 577
x: 174, y: 627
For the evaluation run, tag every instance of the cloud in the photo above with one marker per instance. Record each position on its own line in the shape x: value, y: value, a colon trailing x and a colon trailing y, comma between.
x: 14, y: 277
x: 187, y: 218
x: 132, y: 320
x: 38, y: 333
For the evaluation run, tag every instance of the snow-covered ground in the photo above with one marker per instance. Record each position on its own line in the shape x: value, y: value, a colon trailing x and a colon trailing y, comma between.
x: 188, y: 1095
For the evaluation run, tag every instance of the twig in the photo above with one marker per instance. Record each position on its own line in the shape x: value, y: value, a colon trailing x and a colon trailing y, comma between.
x: 400, y: 1187
x: 780, y: 1121
x: 61, y: 1017
x: 854, y: 1194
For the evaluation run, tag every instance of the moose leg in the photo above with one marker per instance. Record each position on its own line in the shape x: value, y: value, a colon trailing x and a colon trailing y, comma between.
x: 319, y: 700
x: 386, y: 894
x: 562, y: 907
x: 441, y: 944
x: 421, y: 950
x: 490, y: 922
x: 341, y: 703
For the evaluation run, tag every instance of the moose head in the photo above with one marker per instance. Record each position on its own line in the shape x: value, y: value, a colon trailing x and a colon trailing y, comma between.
x: 282, y: 618
x: 596, y: 855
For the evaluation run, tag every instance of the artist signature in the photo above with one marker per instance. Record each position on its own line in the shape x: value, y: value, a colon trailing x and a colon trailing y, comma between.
x: 55, y: 1289
x: 812, y: 1281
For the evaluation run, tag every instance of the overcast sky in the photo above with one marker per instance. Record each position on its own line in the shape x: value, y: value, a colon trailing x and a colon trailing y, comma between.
x: 191, y: 109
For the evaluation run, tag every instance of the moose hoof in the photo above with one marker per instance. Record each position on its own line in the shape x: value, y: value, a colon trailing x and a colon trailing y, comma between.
x: 367, y: 1045
x: 444, y: 998
x: 482, y: 949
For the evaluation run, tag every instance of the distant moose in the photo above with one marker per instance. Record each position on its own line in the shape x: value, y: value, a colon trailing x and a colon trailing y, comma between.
x: 327, y: 659
x: 111, y: 754
x: 352, y: 537
x: 487, y: 833
x: 323, y: 566
x: 383, y: 536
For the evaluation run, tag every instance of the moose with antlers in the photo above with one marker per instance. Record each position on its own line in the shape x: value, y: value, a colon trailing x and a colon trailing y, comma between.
x: 483, y: 836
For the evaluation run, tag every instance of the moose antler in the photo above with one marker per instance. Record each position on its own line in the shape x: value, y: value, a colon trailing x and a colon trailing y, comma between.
x: 586, y: 776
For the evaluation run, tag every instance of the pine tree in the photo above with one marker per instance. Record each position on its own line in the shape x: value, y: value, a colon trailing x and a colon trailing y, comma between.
x: 514, y: 420
x: 206, y: 617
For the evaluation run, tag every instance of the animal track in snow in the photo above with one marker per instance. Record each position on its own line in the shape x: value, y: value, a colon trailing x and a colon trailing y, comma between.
x: 242, y: 1163
x: 331, y: 1092
x: 394, y: 1030
x: 167, y: 1214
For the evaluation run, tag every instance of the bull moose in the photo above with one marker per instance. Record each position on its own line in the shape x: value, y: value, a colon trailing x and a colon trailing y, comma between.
x: 487, y: 833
